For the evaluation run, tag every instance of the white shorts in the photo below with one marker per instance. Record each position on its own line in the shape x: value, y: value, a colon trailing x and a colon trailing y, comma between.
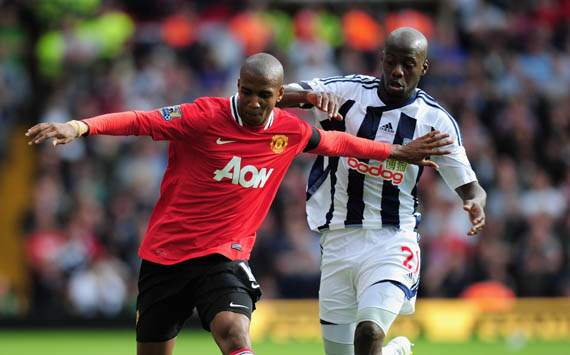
x: 354, y: 259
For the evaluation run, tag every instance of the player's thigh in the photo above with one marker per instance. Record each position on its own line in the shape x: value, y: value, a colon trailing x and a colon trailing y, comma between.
x: 381, y: 303
x: 337, y: 294
x: 163, y: 302
x: 397, y: 259
x: 229, y: 286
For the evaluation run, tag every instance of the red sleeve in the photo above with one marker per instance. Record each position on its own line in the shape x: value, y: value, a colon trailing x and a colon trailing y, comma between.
x: 334, y: 143
x: 167, y: 123
x: 306, y: 133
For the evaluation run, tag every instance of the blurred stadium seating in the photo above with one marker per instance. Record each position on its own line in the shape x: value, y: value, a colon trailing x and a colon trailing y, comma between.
x: 71, y: 218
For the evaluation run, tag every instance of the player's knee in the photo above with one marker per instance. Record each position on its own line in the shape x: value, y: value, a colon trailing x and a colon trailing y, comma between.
x: 367, y: 332
x: 235, y: 336
x: 339, y: 333
x: 231, y: 331
x: 383, y: 319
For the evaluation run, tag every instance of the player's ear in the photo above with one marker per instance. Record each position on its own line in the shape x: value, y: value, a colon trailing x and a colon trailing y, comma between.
x: 238, y: 84
x: 425, y: 66
x: 280, y: 93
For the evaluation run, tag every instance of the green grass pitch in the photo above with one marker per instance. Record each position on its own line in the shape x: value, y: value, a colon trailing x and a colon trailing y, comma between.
x: 194, y: 342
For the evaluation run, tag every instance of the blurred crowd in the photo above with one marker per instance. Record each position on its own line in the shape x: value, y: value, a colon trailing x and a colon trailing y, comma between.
x: 502, y: 68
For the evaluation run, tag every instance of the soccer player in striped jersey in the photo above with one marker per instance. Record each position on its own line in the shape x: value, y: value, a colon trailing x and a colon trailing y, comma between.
x: 367, y: 210
x: 227, y: 157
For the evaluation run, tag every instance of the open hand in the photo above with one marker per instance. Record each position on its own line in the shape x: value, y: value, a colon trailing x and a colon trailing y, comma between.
x: 62, y: 133
x: 418, y: 151
x: 326, y: 102
x: 476, y: 216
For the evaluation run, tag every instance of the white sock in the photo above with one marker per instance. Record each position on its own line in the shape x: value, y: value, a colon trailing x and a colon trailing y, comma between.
x: 389, y: 350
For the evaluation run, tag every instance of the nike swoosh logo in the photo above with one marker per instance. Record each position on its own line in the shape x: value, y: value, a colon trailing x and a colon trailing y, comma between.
x: 233, y: 305
x: 221, y: 141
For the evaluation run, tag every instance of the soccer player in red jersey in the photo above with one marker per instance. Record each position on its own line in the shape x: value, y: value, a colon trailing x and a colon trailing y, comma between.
x: 227, y: 157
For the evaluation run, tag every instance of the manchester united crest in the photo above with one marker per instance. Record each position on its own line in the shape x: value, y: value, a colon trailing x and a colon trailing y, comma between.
x: 278, y: 143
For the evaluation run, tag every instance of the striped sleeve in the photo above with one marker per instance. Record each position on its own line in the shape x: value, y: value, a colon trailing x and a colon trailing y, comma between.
x: 444, y: 119
x: 343, y: 86
x: 454, y: 168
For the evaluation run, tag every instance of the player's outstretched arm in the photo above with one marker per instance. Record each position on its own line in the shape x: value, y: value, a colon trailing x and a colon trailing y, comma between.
x: 474, y: 200
x: 324, y: 101
x: 61, y: 133
x: 167, y: 123
x: 333, y: 143
x: 128, y: 123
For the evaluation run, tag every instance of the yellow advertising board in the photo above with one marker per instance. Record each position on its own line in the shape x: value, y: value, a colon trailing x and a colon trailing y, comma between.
x: 437, y: 320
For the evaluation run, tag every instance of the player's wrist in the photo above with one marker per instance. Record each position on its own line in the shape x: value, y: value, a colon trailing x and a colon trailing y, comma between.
x: 389, y: 150
x: 80, y: 127
x: 394, y: 151
x: 476, y: 201
x: 304, y: 100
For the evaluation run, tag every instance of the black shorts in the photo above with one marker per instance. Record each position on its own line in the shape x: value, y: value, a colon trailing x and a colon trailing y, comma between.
x: 168, y: 294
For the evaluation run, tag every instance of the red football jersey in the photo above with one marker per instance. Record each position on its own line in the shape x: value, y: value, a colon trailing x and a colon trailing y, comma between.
x: 221, y: 177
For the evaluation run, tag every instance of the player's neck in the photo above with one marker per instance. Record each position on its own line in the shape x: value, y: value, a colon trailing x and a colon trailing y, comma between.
x: 391, y: 100
x: 250, y: 124
x: 254, y: 125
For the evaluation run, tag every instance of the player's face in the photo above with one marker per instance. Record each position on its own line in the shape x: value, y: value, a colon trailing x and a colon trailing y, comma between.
x: 401, y: 70
x: 257, y: 98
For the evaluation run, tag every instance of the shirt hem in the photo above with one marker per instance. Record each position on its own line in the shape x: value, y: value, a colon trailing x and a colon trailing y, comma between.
x: 148, y: 256
x: 408, y: 227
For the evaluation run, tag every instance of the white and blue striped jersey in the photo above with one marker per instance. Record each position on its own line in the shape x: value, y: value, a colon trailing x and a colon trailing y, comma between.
x: 344, y: 192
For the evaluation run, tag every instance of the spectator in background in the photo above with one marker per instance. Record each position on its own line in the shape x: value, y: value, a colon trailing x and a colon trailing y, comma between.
x: 100, y: 289
x: 15, y: 82
x: 539, y: 256
x: 542, y: 198
x: 9, y: 301
x: 310, y: 55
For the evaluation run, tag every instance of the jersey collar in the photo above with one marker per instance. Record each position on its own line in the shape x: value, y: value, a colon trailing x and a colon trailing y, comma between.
x: 237, y: 117
x: 235, y: 113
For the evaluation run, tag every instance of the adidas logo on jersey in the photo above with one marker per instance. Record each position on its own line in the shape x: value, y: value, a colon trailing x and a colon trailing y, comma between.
x: 387, y: 128
x: 246, y: 176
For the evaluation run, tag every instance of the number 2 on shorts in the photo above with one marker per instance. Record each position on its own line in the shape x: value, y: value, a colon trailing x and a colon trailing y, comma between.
x: 409, y: 257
